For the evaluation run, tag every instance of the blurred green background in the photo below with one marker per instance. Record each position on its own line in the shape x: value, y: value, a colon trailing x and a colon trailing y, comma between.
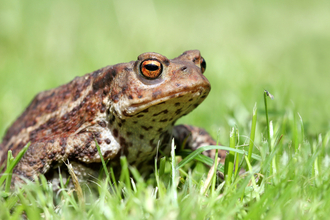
x: 249, y: 46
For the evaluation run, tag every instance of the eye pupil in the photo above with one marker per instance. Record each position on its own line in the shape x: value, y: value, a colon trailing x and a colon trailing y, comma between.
x: 203, y: 65
x: 151, y: 67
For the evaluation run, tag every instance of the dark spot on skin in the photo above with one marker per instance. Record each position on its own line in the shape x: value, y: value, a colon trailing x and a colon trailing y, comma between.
x: 97, y: 134
x: 75, y: 110
x: 107, y: 153
x: 62, y: 141
x: 134, y: 122
x: 104, y: 79
x: 119, y: 124
x: 103, y: 108
x: 160, y: 130
x: 86, y: 98
x: 195, y: 105
x: 115, y: 133
x: 204, y: 96
x: 166, y: 62
x: 122, y: 142
x: 51, y: 121
x: 107, y: 141
x: 178, y: 111
x: 96, y: 72
x: 156, y: 93
x: 125, y: 113
x: 163, y: 120
x: 30, y: 123
x: 113, y: 72
x: 106, y: 90
x: 129, y: 133
x: 115, y: 98
x: 153, y: 120
x: 177, y: 104
x: 102, y: 124
x: 141, y: 136
x: 202, y: 132
x: 51, y: 156
x: 124, y: 89
x: 190, y: 100
x: 145, y: 110
x: 33, y: 135
x: 165, y: 112
x: 76, y: 96
x: 146, y: 128
x: 32, y: 163
x: 138, y: 154
x: 140, y: 116
x: 49, y: 106
x: 151, y: 142
x: 112, y: 119
x: 128, y: 69
x: 130, y: 97
x: 99, y: 141
x: 65, y: 116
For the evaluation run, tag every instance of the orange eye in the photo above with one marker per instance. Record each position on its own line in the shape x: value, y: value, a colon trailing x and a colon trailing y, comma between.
x: 151, y: 69
x: 203, y: 65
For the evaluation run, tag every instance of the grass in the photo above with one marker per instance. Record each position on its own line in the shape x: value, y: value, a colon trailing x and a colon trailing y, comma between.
x: 298, y: 187
x: 248, y: 46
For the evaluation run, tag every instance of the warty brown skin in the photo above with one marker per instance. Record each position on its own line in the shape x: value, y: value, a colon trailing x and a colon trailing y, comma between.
x: 126, y: 112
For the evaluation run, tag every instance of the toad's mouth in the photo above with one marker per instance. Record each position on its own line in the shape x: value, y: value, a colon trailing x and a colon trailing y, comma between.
x: 197, y: 93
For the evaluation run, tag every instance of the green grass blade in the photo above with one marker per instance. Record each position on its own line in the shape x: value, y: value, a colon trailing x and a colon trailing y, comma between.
x: 13, y: 163
x: 266, y: 93
x: 229, y: 162
x: 252, y: 178
x: 253, y: 132
x: 8, y: 179
x: 194, y: 154
x: 174, y: 176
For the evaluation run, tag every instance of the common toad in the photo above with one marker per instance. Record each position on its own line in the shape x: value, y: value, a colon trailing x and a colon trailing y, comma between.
x: 128, y: 108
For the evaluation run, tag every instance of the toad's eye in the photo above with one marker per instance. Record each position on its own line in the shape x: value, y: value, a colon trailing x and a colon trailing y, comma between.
x: 203, y: 65
x: 151, y: 69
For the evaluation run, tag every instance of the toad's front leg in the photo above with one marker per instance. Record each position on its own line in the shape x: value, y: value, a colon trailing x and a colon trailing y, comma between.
x: 52, y: 151
x: 195, y: 137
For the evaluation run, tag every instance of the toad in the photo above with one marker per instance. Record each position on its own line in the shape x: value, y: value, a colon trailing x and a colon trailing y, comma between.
x: 129, y: 109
